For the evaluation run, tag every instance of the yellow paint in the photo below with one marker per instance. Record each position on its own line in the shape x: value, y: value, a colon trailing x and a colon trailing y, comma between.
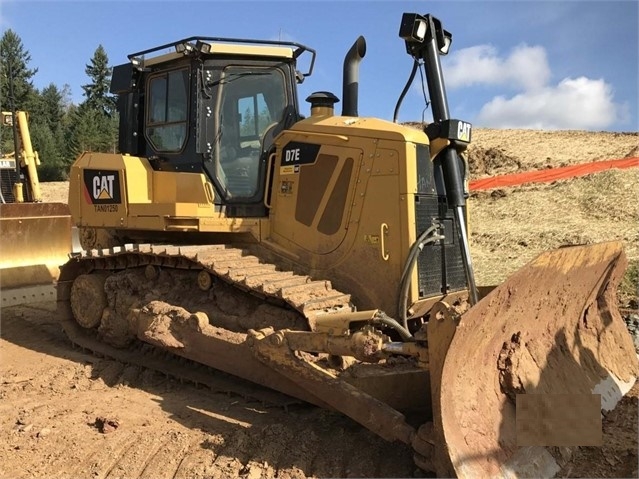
x: 251, y: 50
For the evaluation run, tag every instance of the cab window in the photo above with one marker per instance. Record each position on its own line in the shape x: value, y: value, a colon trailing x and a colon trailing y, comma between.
x: 167, y: 112
x: 251, y: 100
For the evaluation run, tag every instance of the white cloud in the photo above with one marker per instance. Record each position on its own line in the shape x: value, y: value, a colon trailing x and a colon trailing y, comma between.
x: 526, y: 67
x: 577, y: 104
x: 573, y: 103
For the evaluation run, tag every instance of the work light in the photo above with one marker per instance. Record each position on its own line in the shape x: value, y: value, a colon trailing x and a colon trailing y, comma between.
x: 418, y: 30
x: 413, y: 27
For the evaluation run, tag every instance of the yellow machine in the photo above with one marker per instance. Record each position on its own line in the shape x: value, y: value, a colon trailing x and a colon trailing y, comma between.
x: 327, y: 257
x: 35, y: 237
x: 29, y: 161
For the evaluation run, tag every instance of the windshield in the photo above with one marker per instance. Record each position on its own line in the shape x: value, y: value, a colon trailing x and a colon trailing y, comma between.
x: 251, y: 101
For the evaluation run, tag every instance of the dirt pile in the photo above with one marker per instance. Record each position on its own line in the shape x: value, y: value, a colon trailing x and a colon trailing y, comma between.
x: 490, y: 162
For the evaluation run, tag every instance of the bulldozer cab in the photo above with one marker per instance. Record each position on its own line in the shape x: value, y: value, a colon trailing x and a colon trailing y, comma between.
x: 212, y: 106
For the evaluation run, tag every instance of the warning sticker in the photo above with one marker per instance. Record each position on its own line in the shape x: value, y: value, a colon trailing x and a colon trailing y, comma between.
x: 288, y: 170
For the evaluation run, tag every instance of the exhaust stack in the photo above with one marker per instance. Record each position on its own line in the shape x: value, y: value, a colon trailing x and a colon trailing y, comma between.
x: 350, y: 84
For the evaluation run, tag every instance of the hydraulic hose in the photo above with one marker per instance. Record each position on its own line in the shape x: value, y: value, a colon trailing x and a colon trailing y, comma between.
x: 386, y: 320
x: 405, y: 90
x: 425, y: 238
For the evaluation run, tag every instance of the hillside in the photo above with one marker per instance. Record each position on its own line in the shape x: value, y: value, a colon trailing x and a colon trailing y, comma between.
x: 510, y: 226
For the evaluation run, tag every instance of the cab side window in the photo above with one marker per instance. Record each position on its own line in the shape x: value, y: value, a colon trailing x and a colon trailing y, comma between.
x: 251, y: 100
x: 167, y: 110
x: 255, y: 117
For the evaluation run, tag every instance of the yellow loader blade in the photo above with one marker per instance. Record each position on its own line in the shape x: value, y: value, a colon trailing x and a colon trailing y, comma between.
x: 553, y: 330
x: 35, y: 239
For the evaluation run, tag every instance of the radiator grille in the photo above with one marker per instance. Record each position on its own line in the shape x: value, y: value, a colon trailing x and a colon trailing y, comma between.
x: 7, y: 179
x: 440, y: 267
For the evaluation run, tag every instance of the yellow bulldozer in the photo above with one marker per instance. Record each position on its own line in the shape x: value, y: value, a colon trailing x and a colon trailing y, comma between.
x: 35, y: 236
x: 327, y: 257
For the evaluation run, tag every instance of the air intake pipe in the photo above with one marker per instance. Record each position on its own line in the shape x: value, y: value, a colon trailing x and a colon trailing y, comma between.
x: 350, y: 84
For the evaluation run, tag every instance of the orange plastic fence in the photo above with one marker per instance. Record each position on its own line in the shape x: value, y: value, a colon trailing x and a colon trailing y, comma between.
x: 552, y: 174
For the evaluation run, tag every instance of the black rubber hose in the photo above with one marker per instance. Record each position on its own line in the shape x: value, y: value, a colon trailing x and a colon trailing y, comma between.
x: 386, y: 320
x: 425, y: 238
x: 405, y: 90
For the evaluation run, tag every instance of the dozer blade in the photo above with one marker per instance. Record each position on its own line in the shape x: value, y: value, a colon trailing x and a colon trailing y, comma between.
x: 35, y: 239
x: 552, y: 329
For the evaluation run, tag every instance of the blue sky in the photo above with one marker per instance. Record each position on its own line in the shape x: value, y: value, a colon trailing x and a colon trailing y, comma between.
x: 513, y: 64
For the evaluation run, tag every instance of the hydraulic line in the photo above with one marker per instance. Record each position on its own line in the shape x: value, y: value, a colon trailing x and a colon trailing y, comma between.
x: 425, y: 238
x: 405, y: 90
x: 386, y: 320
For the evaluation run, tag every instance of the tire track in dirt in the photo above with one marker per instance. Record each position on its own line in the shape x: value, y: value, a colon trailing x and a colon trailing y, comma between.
x: 167, y: 459
x: 133, y: 462
x: 102, y: 461
x: 196, y: 463
x: 166, y: 429
x: 153, y: 451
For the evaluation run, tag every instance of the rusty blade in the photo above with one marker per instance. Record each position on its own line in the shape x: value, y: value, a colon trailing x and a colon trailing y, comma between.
x: 551, y: 328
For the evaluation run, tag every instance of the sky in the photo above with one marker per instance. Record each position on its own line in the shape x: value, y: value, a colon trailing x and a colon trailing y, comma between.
x: 569, y: 65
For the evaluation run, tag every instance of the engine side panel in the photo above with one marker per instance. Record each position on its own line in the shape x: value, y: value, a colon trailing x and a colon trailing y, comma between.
x: 124, y: 193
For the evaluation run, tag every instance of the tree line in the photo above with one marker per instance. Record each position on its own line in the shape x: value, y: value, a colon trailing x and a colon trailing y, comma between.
x: 60, y: 130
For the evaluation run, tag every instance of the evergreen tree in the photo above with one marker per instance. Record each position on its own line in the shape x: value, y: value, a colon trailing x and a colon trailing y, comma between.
x: 51, y: 106
x: 91, y: 130
x: 65, y: 94
x: 47, y: 134
x: 14, y: 61
x: 97, y: 92
x: 46, y: 110
x: 52, y: 166
x: 92, y: 126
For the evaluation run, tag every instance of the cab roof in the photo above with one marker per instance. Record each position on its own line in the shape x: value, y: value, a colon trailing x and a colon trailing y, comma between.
x: 221, y: 46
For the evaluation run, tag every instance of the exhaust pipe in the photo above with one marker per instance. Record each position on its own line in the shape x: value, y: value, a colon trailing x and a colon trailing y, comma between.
x: 350, y: 85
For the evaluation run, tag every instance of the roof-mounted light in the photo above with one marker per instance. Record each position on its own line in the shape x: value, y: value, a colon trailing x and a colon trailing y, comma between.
x: 203, y: 47
x: 185, y: 48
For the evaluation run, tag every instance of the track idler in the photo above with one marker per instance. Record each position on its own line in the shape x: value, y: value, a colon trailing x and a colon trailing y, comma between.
x: 552, y: 330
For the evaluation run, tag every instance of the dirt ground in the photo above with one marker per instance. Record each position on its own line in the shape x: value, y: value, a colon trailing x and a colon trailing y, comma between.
x: 54, y: 400
x: 66, y: 413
